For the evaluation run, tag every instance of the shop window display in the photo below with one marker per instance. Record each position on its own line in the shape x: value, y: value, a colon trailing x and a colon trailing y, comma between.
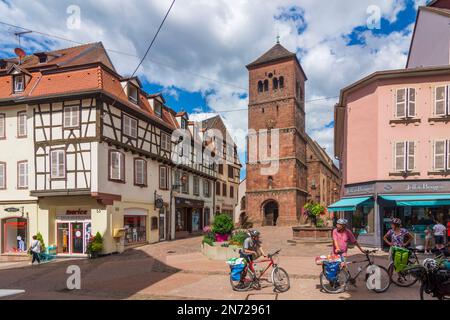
x: 363, y: 220
x: 195, y: 220
x: 135, y: 229
x: 14, y: 235
x: 180, y: 220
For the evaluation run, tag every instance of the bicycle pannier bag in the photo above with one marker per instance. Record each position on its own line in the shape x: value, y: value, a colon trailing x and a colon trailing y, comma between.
x: 236, y: 271
x: 400, y: 257
x: 331, y: 270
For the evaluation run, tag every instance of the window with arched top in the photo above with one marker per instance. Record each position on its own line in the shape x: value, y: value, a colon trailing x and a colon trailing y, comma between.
x: 260, y: 86
x: 281, y: 82
x: 275, y: 83
x: 266, y: 85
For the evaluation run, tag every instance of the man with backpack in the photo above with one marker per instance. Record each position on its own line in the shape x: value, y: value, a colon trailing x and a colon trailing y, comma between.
x: 252, y: 248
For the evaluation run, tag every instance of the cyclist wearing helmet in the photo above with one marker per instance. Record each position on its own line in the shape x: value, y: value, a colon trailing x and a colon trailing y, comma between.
x: 252, y: 246
x: 397, y: 236
x: 342, y: 237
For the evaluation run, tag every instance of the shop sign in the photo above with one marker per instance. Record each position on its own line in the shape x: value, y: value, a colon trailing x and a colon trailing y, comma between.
x: 359, y: 190
x: 12, y: 210
x: 189, y: 203
x: 414, y: 187
x: 78, y: 212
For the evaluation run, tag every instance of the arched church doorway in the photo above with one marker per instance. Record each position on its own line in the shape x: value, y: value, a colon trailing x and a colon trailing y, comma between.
x: 270, y: 210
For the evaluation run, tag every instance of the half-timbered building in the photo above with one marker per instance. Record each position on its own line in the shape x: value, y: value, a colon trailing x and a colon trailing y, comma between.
x: 98, y: 152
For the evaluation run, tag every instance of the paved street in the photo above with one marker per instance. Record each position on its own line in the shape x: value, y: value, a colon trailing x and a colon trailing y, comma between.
x: 177, y: 270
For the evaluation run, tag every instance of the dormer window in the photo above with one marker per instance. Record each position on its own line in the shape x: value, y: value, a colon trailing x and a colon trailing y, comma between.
x: 19, y: 83
x: 132, y: 93
x: 183, y: 123
x: 158, y: 109
x: 42, y: 59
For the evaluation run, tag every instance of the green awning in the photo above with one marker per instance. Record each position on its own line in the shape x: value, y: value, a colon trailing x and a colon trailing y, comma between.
x: 347, y: 204
x: 426, y: 200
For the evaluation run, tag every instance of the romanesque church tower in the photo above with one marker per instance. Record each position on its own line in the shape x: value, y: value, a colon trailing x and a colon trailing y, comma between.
x: 276, y: 101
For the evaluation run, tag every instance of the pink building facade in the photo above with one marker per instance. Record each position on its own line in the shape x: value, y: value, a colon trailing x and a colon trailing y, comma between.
x: 392, y: 137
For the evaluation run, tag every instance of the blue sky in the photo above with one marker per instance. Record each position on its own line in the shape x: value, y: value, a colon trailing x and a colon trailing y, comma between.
x: 199, y: 59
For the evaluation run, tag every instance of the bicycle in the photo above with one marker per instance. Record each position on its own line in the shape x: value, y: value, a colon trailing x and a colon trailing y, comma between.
x: 249, y: 278
x: 403, y: 278
x: 434, y: 280
x: 344, y: 277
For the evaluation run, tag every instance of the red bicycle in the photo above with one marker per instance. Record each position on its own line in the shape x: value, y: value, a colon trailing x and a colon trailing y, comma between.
x: 251, y: 278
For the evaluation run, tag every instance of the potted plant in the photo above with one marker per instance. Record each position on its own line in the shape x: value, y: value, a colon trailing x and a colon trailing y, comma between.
x: 314, y: 211
x: 222, y: 227
x: 208, y: 238
x: 95, y: 245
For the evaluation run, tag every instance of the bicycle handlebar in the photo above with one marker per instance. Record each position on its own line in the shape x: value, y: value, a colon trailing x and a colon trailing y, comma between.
x: 270, y: 255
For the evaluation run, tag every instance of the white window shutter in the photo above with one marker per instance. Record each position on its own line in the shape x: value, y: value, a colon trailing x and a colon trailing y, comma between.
x: 61, y: 164
x: 439, y: 154
x: 411, y: 163
x: 448, y: 154
x: 2, y: 126
x: 399, y: 156
x: 400, y: 110
x: 54, y: 164
x: 448, y: 100
x: 115, y: 166
x: 2, y: 176
x: 441, y: 100
x: 411, y: 102
x: 75, y: 116
x: 67, y: 117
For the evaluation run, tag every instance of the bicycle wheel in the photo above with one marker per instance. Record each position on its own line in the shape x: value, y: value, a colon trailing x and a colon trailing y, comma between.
x: 423, y: 293
x: 402, y: 278
x: 280, y: 279
x: 244, y: 284
x: 337, y: 286
x: 380, y: 281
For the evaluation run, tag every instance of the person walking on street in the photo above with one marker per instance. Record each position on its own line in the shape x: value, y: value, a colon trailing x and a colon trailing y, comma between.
x: 439, y: 233
x: 35, y: 249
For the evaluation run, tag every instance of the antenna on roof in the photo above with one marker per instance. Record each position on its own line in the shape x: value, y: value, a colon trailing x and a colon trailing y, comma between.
x: 18, y: 51
x: 278, y: 36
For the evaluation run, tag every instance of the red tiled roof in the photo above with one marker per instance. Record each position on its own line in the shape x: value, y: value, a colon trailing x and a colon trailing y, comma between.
x: 69, y: 57
x: 84, y: 79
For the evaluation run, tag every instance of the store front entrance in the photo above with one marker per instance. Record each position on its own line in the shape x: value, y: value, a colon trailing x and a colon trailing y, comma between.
x: 72, y: 237
x: 189, y: 217
x: 14, y: 233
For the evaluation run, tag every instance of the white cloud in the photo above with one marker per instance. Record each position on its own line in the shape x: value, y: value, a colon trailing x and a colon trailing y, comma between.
x: 218, y: 38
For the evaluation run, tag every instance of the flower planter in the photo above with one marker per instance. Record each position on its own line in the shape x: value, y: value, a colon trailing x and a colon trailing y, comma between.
x: 219, y: 253
x: 222, y: 237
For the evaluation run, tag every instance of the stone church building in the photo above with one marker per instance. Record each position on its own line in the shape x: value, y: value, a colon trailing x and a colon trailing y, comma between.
x: 277, y: 104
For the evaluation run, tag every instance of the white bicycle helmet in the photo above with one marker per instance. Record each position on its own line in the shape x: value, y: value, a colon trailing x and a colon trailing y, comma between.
x: 342, y: 221
x: 430, y: 264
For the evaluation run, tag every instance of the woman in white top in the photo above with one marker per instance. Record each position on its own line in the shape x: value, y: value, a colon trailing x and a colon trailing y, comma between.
x: 439, y: 232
